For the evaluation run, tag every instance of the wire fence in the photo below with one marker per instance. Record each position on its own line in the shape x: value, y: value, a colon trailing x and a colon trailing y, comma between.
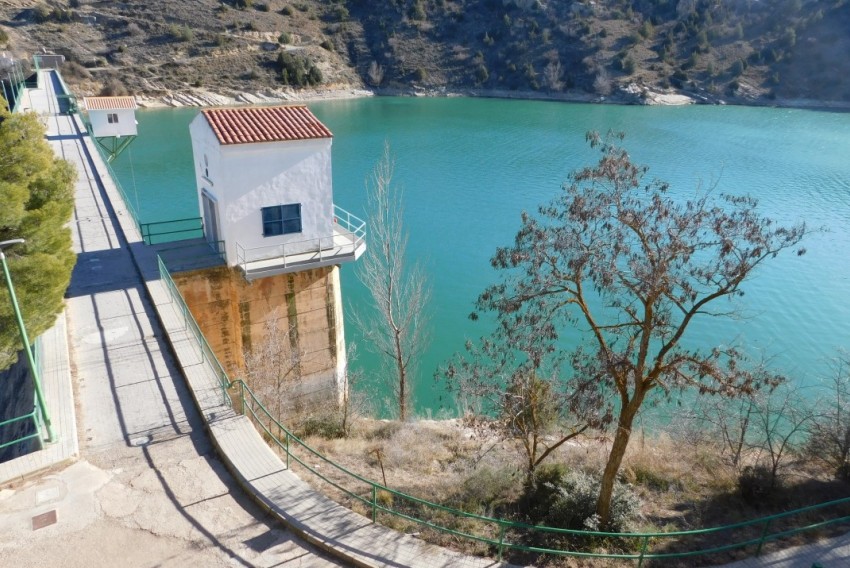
x: 205, y: 351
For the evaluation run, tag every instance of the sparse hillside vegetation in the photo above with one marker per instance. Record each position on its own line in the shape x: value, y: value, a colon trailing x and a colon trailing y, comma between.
x: 737, y: 50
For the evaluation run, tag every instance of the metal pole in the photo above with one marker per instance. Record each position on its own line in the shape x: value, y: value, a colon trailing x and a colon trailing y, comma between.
x: 51, y: 437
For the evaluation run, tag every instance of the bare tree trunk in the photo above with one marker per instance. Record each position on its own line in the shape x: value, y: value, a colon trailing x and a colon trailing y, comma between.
x: 395, y: 327
x: 402, y: 377
x: 615, y: 460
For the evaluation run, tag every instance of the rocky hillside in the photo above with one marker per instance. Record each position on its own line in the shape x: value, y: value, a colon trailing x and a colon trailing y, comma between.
x: 737, y: 50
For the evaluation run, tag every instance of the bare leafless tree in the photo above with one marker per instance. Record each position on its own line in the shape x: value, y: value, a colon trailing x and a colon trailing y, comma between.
x: 721, y: 422
x: 602, y: 82
x: 513, y: 380
x: 355, y: 402
x: 829, y: 433
x: 395, y: 325
x: 273, y: 369
x: 553, y: 74
x: 376, y: 74
x: 780, y: 420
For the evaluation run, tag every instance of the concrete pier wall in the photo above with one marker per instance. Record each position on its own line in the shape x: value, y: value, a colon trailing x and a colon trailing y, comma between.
x: 302, y: 312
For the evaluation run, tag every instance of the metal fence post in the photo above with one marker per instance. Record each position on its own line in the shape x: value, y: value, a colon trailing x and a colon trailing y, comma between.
x: 502, y: 530
x: 763, y: 535
x: 374, y: 503
x: 643, y: 550
x: 287, y: 450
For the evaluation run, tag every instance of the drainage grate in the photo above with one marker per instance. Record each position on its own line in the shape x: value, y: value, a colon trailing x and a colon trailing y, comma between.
x: 44, y: 520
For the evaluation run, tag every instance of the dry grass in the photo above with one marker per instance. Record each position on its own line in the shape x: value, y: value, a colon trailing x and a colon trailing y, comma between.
x: 681, y: 486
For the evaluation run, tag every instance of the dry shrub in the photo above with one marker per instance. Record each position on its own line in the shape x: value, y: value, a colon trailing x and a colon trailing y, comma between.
x: 420, y: 446
x: 114, y: 88
x: 75, y: 70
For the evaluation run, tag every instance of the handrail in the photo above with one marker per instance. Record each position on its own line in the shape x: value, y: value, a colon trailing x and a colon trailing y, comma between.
x: 31, y: 416
x: 348, y: 227
x: 127, y: 203
x: 217, y: 248
x: 207, y: 354
x: 284, y: 439
x: 151, y: 230
x: 67, y: 94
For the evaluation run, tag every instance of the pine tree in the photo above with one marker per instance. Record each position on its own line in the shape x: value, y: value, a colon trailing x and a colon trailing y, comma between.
x: 36, y: 201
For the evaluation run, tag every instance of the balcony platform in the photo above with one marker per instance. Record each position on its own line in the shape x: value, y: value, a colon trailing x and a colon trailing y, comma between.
x: 343, y: 246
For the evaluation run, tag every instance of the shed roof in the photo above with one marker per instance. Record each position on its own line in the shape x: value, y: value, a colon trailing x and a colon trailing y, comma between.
x: 110, y: 103
x: 248, y: 125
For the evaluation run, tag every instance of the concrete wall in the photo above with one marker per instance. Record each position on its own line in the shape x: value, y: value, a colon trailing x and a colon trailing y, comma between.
x: 244, y: 178
x: 233, y: 316
x: 126, y: 125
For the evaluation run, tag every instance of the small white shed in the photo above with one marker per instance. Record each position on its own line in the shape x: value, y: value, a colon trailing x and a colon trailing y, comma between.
x: 111, y: 116
x: 265, y: 190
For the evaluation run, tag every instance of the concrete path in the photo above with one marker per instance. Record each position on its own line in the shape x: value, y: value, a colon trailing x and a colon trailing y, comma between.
x: 148, y: 489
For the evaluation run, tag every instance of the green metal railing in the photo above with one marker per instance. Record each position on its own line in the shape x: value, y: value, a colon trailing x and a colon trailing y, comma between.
x: 206, y: 352
x: 502, y: 535
x: 66, y: 95
x: 163, y: 231
x: 130, y: 205
x: 13, y: 87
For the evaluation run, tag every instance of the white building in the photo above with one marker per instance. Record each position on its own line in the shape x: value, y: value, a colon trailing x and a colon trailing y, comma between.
x: 111, y: 116
x: 265, y: 190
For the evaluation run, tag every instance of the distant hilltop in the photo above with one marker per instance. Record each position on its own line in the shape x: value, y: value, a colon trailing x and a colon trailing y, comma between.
x: 740, y: 51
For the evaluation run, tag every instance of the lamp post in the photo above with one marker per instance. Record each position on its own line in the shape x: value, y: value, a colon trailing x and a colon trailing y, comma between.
x: 51, y: 437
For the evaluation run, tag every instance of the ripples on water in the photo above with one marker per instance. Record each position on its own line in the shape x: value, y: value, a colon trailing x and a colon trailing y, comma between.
x: 469, y: 166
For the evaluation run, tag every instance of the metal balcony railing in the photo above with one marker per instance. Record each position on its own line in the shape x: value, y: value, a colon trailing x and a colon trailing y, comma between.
x: 345, y: 244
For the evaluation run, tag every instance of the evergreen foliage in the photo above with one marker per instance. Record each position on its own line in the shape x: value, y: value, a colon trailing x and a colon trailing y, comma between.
x: 297, y: 71
x: 36, y: 201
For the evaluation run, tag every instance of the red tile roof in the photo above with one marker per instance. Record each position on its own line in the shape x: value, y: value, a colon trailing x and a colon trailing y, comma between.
x: 248, y: 125
x: 109, y: 103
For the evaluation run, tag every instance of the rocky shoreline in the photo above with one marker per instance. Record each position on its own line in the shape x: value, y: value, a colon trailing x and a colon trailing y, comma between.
x: 629, y: 95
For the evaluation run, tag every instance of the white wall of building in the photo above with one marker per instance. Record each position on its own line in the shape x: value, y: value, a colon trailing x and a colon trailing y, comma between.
x: 101, y: 127
x: 244, y: 178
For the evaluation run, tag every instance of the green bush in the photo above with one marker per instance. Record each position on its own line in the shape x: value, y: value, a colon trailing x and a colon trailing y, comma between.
x: 573, y: 504
x: 340, y: 13
x: 481, y: 73
x: 417, y: 11
x: 652, y: 479
x: 297, y: 71
x: 323, y: 425
x: 486, y: 491
x: 181, y: 33
x: 284, y: 38
x: 4, y: 37
x: 756, y: 484
x: 568, y: 500
x: 538, y: 494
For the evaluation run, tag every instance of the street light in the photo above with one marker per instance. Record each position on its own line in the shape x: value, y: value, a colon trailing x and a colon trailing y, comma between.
x: 51, y: 437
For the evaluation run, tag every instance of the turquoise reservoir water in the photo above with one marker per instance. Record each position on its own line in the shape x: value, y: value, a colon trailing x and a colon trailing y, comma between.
x: 470, y: 166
